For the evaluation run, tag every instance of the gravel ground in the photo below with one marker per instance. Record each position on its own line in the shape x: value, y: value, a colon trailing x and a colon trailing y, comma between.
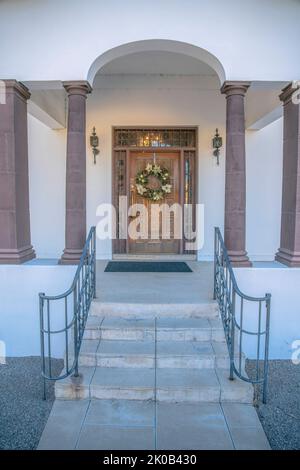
x: 23, y: 412
x: 280, y: 417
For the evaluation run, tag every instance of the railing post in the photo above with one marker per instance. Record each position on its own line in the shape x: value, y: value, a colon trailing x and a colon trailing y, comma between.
x: 94, y: 262
x: 232, y: 336
x: 226, y: 291
x: 82, y: 290
x: 215, y: 263
x: 266, y: 361
x: 41, y: 304
x: 75, y: 307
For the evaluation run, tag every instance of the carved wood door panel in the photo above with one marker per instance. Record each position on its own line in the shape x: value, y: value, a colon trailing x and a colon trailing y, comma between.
x: 153, y: 225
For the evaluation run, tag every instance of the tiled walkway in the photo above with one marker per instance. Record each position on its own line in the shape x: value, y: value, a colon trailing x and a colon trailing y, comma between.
x: 134, y: 425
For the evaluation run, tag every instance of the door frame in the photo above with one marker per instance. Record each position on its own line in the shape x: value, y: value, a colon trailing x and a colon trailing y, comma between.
x: 180, y: 150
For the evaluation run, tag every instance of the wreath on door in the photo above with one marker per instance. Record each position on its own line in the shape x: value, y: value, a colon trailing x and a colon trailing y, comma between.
x: 153, y: 182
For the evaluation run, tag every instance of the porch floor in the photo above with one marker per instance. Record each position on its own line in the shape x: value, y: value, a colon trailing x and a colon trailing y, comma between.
x: 158, y: 288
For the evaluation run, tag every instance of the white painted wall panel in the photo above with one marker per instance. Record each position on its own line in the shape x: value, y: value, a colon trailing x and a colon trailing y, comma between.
x: 19, y: 307
x: 283, y: 283
x: 47, y: 183
x: 264, y: 190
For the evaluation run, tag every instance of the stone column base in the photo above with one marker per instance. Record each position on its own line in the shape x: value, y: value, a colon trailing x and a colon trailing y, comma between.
x: 289, y: 258
x: 239, y: 259
x: 70, y: 256
x: 16, y: 255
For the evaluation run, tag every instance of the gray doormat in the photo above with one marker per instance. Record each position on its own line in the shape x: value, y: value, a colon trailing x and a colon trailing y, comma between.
x: 147, y: 267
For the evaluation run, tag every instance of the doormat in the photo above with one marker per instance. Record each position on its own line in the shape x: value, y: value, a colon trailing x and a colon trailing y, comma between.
x: 147, y: 267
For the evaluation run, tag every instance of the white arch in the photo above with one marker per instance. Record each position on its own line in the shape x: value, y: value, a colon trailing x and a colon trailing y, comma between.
x: 156, y: 45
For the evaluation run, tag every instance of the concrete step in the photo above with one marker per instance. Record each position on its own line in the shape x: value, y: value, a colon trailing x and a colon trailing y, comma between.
x: 172, y: 385
x: 207, y: 309
x: 167, y: 329
x: 141, y: 354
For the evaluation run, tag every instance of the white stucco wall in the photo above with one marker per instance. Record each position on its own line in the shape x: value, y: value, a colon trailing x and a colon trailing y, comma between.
x: 19, y: 307
x: 73, y: 34
x: 47, y: 183
x: 283, y: 284
x: 264, y: 190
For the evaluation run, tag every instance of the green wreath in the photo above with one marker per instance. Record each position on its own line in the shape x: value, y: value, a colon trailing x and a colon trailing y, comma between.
x: 142, y: 180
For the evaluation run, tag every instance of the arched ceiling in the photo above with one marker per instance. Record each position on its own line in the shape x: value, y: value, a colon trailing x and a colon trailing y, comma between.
x: 157, y: 63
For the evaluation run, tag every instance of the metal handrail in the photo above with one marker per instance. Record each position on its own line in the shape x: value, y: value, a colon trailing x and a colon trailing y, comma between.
x: 76, y: 299
x: 226, y: 292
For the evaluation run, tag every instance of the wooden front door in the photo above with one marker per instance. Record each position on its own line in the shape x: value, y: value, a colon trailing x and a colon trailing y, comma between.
x: 156, y: 242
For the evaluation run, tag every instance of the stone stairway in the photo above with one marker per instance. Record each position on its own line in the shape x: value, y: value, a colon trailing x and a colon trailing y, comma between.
x: 162, y: 352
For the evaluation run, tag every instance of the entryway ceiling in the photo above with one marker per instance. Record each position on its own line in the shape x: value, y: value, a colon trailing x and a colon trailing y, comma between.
x: 157, y: 63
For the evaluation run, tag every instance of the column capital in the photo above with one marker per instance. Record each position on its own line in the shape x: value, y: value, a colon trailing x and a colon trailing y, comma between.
x: 77, y: 87
x: 235, y: 88
x: 287, y: 92
x: 13, y: 86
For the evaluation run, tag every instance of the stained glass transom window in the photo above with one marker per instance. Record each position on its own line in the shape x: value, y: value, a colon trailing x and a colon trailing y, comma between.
x: 161, y: 138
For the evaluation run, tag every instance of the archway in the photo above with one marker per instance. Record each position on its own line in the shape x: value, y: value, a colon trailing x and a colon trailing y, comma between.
x: 152, y: 101
x: 159, y: 45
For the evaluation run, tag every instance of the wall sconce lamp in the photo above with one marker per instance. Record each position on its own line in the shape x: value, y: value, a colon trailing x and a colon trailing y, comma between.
x: 94, y: 142
x: 217, y: 143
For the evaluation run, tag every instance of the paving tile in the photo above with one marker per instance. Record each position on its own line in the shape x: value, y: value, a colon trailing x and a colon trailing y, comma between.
x: 136, y: 354
x: 186, y: 378
x: 87, y: 356
x: 94, y: 322
x: 127, y: 329
x: 117, y: 322
x: 63, y: 426
x: 184, y: 348
x: 192, y: 427
x: 126, y: 347
x: 122, y: 383
x: 240, y: 415
x: 89, y: 346
x: 234, y: 391
x: 187, y: 385
x: 75, y: 387
x: 220, y: 348
x: 99, y: 437
x: 183, y: 323
x: 185, y: 354
x: 245, y: 426
x: 124, y: 377
x: 183, y: 329
x: 92, y: 328
x: 249, y: 438
x: 121, y: 412
x: 216, y: 323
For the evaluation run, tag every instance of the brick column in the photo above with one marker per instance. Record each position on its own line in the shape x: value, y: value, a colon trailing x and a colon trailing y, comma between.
x: 75, y: 234
x: 235, y: 181
x: 289, y: 251
x: 15, y: 242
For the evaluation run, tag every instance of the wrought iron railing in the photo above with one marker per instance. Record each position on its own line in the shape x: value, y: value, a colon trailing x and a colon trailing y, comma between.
x: 241, y: 323
x: 70, y: 315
